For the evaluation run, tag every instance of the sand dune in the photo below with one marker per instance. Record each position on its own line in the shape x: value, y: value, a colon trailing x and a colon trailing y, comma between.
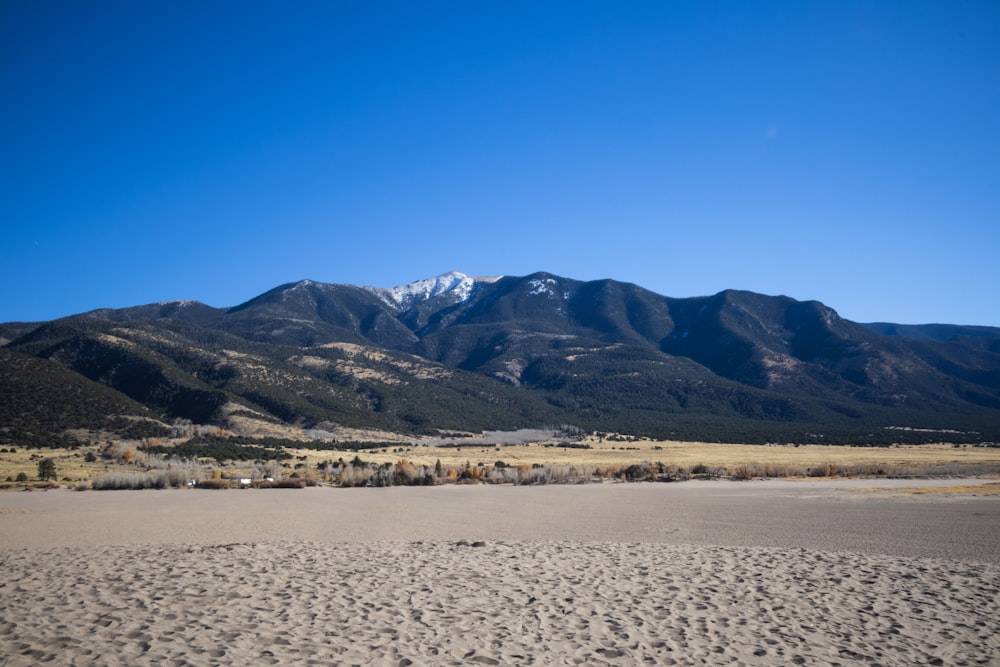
x: 462, y: 576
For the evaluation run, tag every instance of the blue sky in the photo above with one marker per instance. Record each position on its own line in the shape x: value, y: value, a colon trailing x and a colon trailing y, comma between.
x: 842, y: 151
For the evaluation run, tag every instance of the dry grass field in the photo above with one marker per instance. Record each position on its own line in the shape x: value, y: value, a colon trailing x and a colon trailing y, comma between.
x: 70, y: 465
x: 683, y: 454
x: 743, y: 461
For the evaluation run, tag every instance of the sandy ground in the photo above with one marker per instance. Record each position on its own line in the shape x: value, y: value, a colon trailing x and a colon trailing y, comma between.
x: 759, y: 573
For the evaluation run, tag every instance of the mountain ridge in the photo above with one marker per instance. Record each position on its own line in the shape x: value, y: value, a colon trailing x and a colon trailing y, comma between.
x: 456, y: 352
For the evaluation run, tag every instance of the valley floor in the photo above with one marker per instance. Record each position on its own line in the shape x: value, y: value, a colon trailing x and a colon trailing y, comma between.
x: 771, y: 572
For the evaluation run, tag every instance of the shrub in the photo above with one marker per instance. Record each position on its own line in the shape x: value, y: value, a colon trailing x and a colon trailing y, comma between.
x: 823, y: 470
x: 213, y: 484
x: 117, y: 481
x: 285, y: 484
x: 171, y: 477
x: 352, y: 475
x: 470, y: 473
x: 702, y: 470
x: 162, y: 479
x: 22, y: 477
x: 636, y: 471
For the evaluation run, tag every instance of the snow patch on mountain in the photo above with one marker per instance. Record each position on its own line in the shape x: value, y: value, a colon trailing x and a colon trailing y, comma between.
x: 458, y: 286
x: 181, y: 303
x: 542, y: 287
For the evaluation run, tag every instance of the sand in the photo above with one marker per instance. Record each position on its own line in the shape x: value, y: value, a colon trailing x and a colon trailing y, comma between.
x: 764, y: 573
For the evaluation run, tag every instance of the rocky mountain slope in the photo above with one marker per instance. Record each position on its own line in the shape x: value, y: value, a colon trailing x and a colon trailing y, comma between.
x: 459, y: 353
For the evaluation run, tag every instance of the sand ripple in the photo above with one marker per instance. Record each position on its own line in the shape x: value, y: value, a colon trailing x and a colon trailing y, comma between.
x: 514, y: 602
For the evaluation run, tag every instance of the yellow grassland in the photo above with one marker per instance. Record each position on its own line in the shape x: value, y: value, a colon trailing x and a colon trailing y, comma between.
x: 70, y: 464
x: 682, y: 454
x: 72, y: 467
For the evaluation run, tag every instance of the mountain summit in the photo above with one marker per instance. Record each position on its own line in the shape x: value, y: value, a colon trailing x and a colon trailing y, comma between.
x: 460, y: 353
x: 455, y: 285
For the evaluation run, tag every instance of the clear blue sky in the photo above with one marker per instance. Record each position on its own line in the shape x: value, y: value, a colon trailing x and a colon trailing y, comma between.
x: 842, y: 151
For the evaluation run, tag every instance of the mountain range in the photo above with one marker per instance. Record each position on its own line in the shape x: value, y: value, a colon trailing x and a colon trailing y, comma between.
x: 457, y: 353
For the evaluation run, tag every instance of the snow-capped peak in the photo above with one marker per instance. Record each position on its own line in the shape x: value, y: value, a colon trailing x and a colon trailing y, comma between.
x: 454, y: 283
x: 181, y: 303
